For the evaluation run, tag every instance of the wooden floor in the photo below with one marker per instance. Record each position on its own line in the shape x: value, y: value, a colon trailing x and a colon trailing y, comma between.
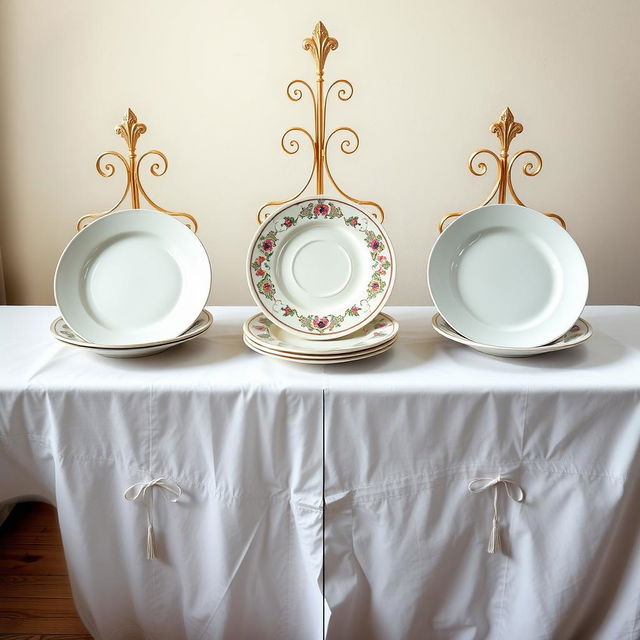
x: 35, y: 596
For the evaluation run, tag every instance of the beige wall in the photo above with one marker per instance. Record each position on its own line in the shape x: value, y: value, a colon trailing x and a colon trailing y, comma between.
x: 209, y: 78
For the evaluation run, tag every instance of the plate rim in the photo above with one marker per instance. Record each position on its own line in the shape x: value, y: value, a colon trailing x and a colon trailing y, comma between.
x: 319, y: 356
x: 91, y: 345
x: 297, y: 360
x: 525, y: 208
x: 539, y: 350
x: 310, y: 335
x: 394, y: 322
x: 102, y: 221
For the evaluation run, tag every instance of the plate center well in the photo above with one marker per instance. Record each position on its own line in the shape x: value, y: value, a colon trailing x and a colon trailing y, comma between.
x: 131, y: 282
x: 321, y: 268
x: 507, y: 279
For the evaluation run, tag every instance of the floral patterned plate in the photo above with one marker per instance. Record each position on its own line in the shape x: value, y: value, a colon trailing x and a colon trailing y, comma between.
x: 320, y: 268
x: 267, y: 335
x: 361, y: 355
x: 580, y: 332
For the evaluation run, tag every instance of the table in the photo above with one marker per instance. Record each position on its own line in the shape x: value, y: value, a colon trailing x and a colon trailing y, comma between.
x: 391, y: 443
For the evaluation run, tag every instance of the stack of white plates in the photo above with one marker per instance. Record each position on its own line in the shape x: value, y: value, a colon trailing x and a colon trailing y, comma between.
x: 321, y: 271
x: 579, y: 333
x: 132, y: 283
x: 508, y: 281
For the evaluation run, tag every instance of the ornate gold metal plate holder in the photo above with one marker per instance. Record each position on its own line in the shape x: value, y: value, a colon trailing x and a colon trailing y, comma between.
x: 506, y: 129
x: 320, y: 44
x: 130, y: 130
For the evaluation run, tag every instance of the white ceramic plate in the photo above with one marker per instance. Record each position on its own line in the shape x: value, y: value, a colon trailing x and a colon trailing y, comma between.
x: 580, y: 332
x: 347, y: 357
x: 260, y: 330
x: 136, y: 352
x: 63, y: 333
x: 132, y: 277
x: 310, y: 360
x: 320, y: 268
x: 507, y: 276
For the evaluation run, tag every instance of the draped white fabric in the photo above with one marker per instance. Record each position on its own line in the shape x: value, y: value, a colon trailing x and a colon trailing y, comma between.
x: 239, y: 554
x: 5, y: 510
x: 406, y: 543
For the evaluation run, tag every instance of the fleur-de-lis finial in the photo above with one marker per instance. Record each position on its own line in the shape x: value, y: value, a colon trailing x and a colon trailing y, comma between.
x: 130, y: 129
x: 506, y: 129
x: 320, y: 43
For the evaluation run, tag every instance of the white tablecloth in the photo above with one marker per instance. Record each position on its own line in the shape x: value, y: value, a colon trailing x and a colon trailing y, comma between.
x: 405, y: 544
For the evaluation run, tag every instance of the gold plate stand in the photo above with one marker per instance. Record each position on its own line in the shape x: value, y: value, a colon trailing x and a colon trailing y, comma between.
x: 320, y: 44
x: 506, y: 129
x: 130, y: 130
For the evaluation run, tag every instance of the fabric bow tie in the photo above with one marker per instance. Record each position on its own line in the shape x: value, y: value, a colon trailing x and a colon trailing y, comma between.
x: 144, y: 491
x: 514, y: 491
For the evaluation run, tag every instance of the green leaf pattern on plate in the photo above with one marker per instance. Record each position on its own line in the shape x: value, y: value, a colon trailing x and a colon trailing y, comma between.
x: 314, y: 210
x: 261, y: 327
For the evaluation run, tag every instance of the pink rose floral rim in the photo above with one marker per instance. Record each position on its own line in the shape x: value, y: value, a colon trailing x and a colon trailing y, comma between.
x: 321, y: 268
x: 381, y: 330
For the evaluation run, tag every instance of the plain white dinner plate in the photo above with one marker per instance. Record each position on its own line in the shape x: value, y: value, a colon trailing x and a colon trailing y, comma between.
x: 507, y: 276
x: 132, y: 277
x: 580, y: 332
x: 320, y: 268
x: 266, y: 334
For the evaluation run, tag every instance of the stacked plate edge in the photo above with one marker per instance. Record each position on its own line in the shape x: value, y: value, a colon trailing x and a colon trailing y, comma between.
x: 578, y: 334
x: 63, y: 333
x: 263, y: 336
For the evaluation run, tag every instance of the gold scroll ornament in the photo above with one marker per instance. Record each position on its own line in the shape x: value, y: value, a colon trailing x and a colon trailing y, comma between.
x: 320, y: 44
x: 506, y: 129
x: 130, y: 130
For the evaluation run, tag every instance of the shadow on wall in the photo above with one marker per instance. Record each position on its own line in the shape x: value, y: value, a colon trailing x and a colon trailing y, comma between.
x: 3, y: 297
x: 3, y: 208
